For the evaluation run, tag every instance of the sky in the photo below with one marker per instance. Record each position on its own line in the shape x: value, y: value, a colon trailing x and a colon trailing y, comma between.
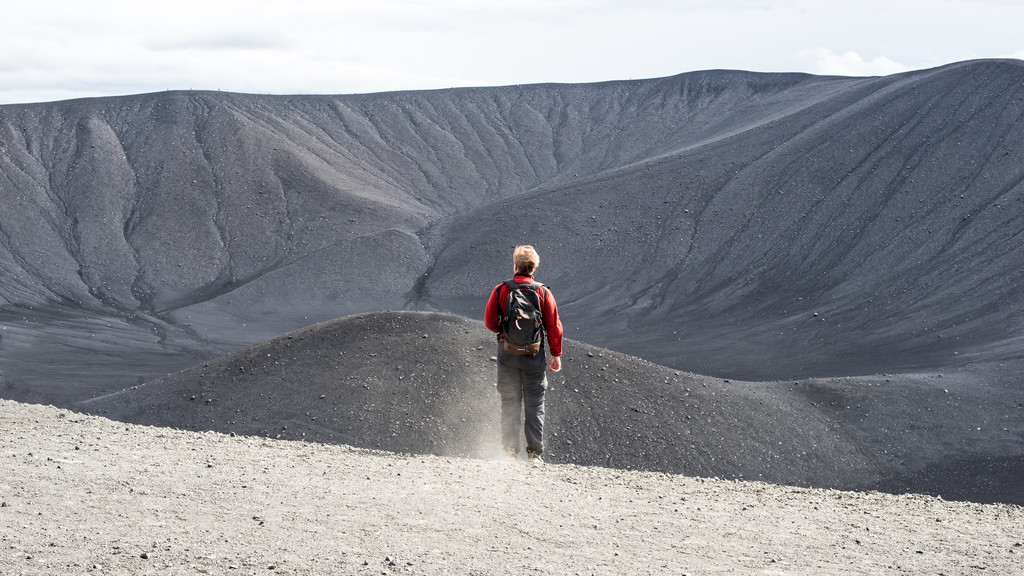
x: 63, y: 49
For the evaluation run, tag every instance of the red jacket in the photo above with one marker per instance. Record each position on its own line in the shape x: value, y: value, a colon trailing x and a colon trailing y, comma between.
x: 552, y: 325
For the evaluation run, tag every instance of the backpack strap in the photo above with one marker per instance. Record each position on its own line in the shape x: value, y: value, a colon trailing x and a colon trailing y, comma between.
x: 513, y: 285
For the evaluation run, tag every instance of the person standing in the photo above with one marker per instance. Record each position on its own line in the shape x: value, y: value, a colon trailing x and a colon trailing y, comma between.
x: 522, y: 368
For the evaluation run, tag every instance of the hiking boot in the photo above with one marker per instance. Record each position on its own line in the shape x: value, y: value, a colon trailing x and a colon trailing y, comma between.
x: 534, y: 458
x: 511, y: 454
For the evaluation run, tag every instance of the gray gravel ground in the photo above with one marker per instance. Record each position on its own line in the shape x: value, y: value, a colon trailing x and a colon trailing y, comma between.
x: 85, y: 495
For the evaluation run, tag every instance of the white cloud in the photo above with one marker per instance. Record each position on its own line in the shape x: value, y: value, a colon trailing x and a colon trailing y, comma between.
x: 826, y: 62
x: 70, y: 48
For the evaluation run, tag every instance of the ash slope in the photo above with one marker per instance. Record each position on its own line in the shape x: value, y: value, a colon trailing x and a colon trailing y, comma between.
x: 151, y: 203
x: 307, y: 508
x: 424, y: 383
x: 745, y: 225
x: 876, y: 230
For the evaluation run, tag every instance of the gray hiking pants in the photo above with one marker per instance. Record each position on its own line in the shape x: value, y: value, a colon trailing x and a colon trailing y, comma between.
x: 522, y: 381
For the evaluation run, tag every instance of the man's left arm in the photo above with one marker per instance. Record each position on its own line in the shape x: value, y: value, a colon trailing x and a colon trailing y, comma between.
x: 492, y: 312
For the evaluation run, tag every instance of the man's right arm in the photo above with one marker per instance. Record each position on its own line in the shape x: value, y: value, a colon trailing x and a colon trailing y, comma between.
x: 555, y: 364
x: 552, y: 324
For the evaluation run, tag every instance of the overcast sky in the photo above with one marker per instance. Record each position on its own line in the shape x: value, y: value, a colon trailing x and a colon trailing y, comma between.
x: 60, y: 49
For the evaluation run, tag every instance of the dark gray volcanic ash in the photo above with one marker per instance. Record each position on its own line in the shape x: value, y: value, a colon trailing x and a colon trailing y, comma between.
x: 877, y: 229
x: 766, y: 227
x: 731, y: 223
x: 424, y: 383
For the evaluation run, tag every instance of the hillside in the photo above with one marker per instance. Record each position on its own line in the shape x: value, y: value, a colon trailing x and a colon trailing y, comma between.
x: 716, y: 222
x: 808, y: 280
x: 90, y: 495
x: 423, y: 383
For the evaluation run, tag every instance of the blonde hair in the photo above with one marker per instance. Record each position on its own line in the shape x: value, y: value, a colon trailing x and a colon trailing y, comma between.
x: 526, y: 259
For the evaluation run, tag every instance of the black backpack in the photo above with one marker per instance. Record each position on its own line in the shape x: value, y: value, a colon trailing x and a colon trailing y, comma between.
x: 522, y: 322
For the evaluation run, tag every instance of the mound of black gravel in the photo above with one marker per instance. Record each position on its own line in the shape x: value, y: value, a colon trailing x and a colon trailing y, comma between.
x: 423, y: 383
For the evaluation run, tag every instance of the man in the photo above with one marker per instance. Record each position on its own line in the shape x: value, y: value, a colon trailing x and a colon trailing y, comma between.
x: 521, y: 377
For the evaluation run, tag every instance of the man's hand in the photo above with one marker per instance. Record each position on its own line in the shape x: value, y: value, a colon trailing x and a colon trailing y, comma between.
x: 556, y: 364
